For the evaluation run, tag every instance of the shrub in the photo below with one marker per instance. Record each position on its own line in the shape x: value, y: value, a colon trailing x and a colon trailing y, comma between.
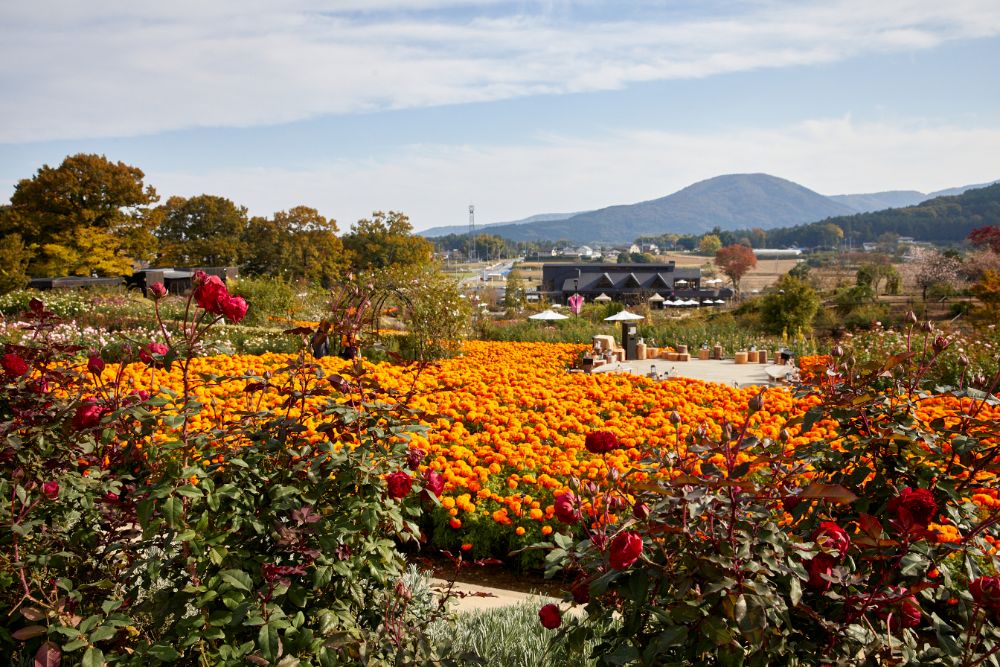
x: 866, y: 550
x: 268, y: 298
x: 135, y: 534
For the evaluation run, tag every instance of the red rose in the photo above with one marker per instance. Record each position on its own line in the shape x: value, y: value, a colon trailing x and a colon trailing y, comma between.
x: 566, y: 508
x: 914, y: 506
x: 581, y: 591
x: 95, y: 364
x: 830, y: 536
x: 905, y: 613
x: 414, y: 457
x: 434, y: 482
x: 400, y: 484
x: 641, y: 511
x: 50, y: 490
x: 986, y: 592
x: 600, y: 442
x: 157, y: 290
x: 819, y: 567
x: 550, y: 616
x: 14, y: 365
x: 625, y: 549
x: 147, y: 352
x: 88, y: 415
x: 233, y: 307
x: 209, y: 292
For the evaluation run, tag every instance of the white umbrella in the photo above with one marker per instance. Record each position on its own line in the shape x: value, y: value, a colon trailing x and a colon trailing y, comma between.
x: 548, y: 315
x: 656, y: 297
x: 623, y: 316
x: 602, y: 297
x: 681, y: 282
x: 719, y: 301
x: 692, y: 302
x: 672, y: 303
x: 713, y: 281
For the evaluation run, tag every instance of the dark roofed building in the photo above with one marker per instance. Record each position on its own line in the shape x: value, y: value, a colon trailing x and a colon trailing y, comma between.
x: 625, y: 283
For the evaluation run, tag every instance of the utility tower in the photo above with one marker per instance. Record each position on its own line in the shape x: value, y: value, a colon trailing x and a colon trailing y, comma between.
x: 472, y: 232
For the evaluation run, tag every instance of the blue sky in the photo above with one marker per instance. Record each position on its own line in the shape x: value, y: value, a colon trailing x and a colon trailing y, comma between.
x: 426, y: 106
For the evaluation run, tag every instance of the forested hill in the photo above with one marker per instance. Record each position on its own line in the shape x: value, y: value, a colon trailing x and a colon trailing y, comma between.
x: 940, y: 220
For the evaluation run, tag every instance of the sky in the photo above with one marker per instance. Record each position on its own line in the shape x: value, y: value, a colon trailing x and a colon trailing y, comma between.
x: 517, y: 107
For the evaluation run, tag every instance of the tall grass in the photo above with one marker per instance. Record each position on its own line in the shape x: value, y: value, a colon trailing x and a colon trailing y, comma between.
x: 505, y: 637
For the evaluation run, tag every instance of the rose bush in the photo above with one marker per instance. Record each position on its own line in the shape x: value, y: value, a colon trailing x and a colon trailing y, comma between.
x: 136, y: 532
x: 864, y: 548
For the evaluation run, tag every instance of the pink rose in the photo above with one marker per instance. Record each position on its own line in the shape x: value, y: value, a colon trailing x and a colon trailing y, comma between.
x: 147, y: 352
x: 157, y: 290
x: 550, y: 616
x: 233, y: 307
x: 914, y: 506
x: 50, y: 490
x: 600, y: 442
x: 625, y: 549
x: 986, y: 592
x: 400, y: 484
x: 434, y: 482
x: 209, y: 292
x: 95, y: 364
x: 830, y: 536
x: 88, y: 415
x: 820, y: 567
x: 14, y: 364
x: 566, y: 508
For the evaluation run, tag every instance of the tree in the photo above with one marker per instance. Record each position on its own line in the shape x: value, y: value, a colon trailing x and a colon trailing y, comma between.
x: 735, y: 261
x: 88, y: 215
x: 790, y: 306
x: 930, y: 269
x: 709, y: 245
x: 431, y: 307
x: 872, y: 274
x: 986, y: 237
x: 987, y: 290
x: 13, y: 263
x: 386, y: 240
x: 206, y: 230
x: 298, y: 244
x: 514, y: 298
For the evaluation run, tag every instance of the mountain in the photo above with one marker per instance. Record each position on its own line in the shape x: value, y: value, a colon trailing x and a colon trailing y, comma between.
x: 733, y: 201
x: 463, y: 229
x: 951, y: 192
x: 878, y: 201
x: 946, y: 219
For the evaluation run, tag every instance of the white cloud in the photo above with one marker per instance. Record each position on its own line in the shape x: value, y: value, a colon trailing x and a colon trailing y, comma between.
x: 434, y: 184
x: 101, y: 69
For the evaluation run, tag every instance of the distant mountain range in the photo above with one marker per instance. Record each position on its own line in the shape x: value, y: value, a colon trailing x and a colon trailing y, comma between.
x: 733, y: 201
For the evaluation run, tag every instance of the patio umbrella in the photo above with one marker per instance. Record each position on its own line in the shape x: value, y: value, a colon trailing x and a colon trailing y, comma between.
x: 548, y: 315
x: 623, y: 316
x: 602, y: 297
x: 719, y: 302
x: 656, y: 297
x: 692, y: 302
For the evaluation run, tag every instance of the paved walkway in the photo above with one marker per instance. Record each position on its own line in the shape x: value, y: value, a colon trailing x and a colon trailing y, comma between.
x: 470, y: 597
x: 725, y: 371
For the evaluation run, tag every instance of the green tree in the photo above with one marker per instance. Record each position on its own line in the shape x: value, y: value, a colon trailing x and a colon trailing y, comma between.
x: 88, y: 215
x: 297, y: 244
x: 514, y: 298
x: 386, y: 240
x: 709, y: 245
x: 790, y: 306
x: 431, y: 307
x: 13, y: 263
x: 735, y: 261
x: 206, y: 230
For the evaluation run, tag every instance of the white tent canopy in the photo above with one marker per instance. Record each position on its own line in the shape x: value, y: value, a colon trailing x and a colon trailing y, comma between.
x: 623, y: 316
x: 656, y: 297
x: 548, y: 315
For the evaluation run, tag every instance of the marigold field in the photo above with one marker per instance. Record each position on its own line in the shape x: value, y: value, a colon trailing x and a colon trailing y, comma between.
x: 506, y: 423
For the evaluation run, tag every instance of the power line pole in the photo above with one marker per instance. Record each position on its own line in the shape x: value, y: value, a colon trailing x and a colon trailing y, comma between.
x: 472, y: 232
